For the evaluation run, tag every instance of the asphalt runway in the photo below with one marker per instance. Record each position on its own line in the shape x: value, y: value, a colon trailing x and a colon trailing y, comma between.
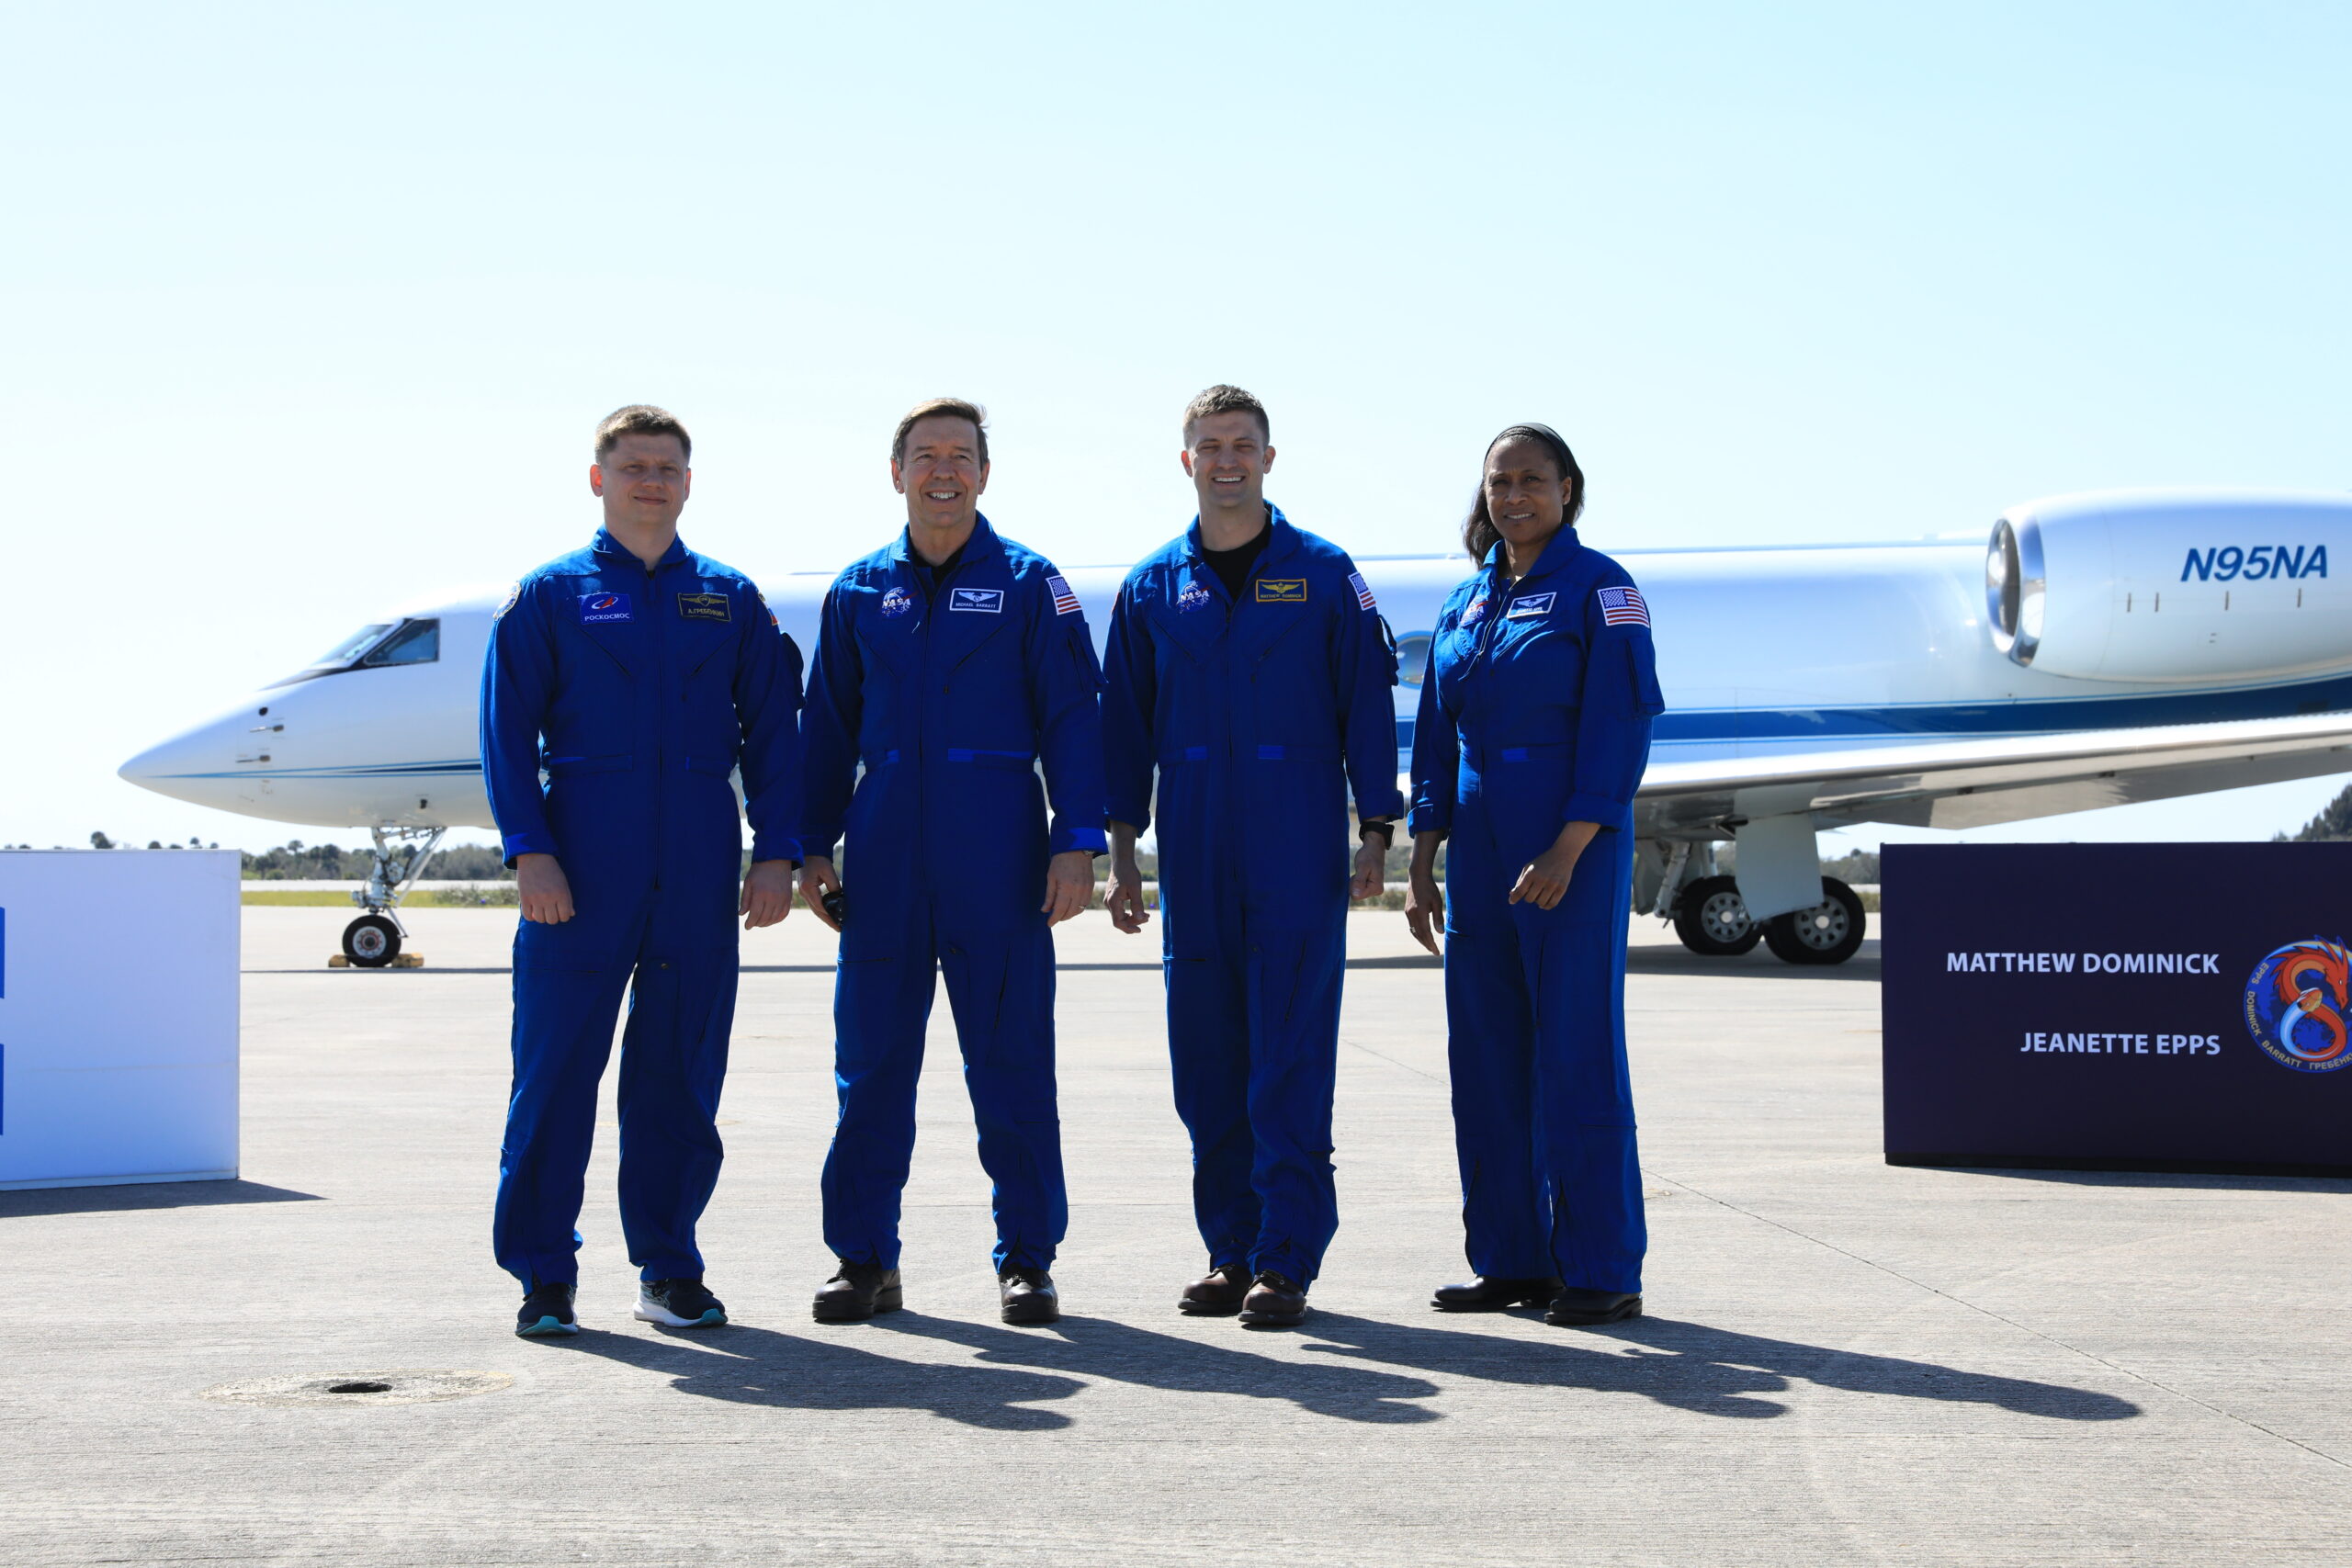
x: 1843, y: 1363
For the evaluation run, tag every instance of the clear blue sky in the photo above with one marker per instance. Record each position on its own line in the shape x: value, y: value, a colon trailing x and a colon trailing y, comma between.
x: 306, y: 309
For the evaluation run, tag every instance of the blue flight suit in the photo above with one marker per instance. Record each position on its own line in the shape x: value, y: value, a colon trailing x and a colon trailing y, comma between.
x: 949, y: 704
x: 1535, y: 712
x: 1259, y: 716
x: 637, y: 693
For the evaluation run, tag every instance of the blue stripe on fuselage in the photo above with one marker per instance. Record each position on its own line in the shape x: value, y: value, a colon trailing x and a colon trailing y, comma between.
x: 1977, y: 720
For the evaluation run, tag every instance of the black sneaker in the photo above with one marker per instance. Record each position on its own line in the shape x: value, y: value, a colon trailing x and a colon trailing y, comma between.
x: 859, y: 1291
x: 547, y: 1311
x: 1027, y: 1295
x: 678, y: 1303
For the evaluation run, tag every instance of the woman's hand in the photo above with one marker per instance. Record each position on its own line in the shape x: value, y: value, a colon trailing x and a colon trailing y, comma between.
x: 1424, y: 900
x: 1544, y: 880
x: 1123, y: 897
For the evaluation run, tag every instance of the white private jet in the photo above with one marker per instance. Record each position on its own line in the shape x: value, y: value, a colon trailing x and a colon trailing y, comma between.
x: 2105, y: 649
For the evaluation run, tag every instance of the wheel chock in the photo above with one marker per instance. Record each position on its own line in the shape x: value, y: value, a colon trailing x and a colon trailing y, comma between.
x: 400, y: 960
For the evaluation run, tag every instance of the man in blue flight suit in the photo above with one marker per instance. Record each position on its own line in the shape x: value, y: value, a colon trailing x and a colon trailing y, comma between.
x: 1249, y: 665
x: 637, y: 675
x: 949, y: 666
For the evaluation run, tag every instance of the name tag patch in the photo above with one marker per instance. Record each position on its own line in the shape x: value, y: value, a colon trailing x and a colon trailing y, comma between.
x: 704, y: 607
x: 1281, y: 590
x: 597, y: 607
x: 1527, y: 609
x: 984, y: 601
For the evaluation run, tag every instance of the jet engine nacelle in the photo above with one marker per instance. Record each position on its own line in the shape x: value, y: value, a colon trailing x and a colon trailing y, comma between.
x: 2175, y: 587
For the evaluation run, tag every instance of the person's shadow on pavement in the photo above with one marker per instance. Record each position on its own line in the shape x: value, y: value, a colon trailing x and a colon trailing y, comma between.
x: 1119, y: 1352
x: 820, y: 1371
x: 1690, y: 1366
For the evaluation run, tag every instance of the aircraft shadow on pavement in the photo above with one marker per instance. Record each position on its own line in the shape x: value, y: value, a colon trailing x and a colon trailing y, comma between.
x: 1757, y: 965
x: 1688, y: 1366
x: 32, y: 1201
x: 2219, y: 1181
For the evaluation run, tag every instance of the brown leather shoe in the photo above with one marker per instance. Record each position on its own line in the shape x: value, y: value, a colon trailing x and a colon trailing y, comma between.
x: 1275, y: 1300
x: 1216, y: 1294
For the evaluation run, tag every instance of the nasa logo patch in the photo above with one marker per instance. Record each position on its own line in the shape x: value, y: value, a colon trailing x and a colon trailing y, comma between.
x: 898, y: 602
x: 2297, y: 1002
x: 597, y: 608
x: 513, y: 593
x: 1194, y: 597
x: 1473, y: 612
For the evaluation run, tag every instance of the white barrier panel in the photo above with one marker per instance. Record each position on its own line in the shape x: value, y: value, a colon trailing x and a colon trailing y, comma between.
x: 117, y: 1016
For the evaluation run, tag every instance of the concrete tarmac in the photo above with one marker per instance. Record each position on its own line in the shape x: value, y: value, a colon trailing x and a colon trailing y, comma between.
x: 1843, y: 1363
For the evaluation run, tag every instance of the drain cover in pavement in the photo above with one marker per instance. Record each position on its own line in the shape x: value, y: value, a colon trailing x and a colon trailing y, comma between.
x: 407, y: 1386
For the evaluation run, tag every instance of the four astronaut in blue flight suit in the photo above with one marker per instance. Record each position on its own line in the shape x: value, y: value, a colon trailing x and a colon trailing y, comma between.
x: 951, y: 667
x: 1533, y: 730
x: 955, y: 693
x: 1250, y: 668
x: 637, y: 675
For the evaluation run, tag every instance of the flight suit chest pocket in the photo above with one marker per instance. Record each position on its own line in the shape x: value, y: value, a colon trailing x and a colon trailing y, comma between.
x: 886, y: 630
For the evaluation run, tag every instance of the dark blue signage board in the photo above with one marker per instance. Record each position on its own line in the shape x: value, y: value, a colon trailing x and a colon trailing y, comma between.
x: 2119, y: 1007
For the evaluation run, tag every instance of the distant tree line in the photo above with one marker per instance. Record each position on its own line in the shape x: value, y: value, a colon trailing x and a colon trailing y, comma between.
x: 297, y: 862
x: 2334, y: 822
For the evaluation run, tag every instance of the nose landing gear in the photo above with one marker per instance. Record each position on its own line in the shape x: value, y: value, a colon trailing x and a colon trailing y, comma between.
x: 373, y: 941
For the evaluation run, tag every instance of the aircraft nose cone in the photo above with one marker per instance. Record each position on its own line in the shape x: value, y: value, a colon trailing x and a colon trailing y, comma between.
x: 195, y: 766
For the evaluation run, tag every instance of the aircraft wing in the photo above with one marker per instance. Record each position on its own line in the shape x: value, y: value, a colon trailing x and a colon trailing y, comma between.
x: 1975, y: 784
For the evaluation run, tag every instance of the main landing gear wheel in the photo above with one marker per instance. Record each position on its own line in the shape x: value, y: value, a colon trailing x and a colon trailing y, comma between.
x: 371, y: 941
x: 1829, y: 933
x: 1713, y: 922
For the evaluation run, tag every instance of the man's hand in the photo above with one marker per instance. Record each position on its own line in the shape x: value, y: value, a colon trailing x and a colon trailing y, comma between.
x: 1371, y: 871
x: 546, y: 892
x: 1545, y: 881
x: 1069, y: 885
x: 1125, y: 900
x: 767, y: 894
x: 1424, y: 900
x: 817, y: 879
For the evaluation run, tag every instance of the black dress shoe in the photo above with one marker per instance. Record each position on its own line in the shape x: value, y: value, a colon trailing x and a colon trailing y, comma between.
x: 1275, y: 1300
x: 1483, y: 1294
x: 859, y: 1291
x: 1577, y: 1307
x: 1027, y: 1295
x: 1217, y: 1293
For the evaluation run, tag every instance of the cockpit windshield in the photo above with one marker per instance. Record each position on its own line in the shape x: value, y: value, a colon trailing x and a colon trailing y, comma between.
x: 348, y: 650
x: 369, y: 648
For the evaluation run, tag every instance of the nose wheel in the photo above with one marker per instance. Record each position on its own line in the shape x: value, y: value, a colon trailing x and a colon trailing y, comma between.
x: 371, y: 941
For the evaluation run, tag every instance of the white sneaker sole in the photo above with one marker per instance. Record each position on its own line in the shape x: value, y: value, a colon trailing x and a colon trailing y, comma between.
x: 651, y: 1311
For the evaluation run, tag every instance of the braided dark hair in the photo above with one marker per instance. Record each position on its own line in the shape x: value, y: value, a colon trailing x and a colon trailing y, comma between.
x: 1478, y: 533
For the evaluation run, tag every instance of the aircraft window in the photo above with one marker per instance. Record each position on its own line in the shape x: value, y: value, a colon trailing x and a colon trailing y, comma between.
x: 1412, y: 656
x: 417, y: 642
x: 351, y: 647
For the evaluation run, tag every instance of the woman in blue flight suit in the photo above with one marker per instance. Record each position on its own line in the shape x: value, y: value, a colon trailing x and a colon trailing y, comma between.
x: 1534, y: 731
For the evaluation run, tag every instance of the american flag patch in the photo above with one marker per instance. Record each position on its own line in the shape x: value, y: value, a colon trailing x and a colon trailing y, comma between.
x: 1064, y: 602
x: 1624, y: 608
x: 1363, y: 590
